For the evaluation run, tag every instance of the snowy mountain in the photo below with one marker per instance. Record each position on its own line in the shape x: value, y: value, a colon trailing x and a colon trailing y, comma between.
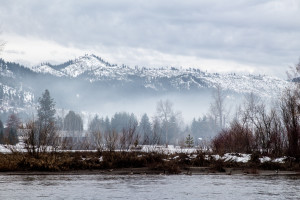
x: 13, y: 96
x: 90, y: 83
x: 94, y: 69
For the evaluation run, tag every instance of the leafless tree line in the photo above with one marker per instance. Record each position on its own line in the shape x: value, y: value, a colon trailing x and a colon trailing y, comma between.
x: 47, y: 138
x: 274, y: 130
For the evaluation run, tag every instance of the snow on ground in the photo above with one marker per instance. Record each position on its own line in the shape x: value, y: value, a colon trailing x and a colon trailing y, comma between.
x: 233, y: 157
x: 45, y: 69
x: 171, y: 149
x: 19, y: 147
x: 265, y: 159
x: 243, y: 158
x: 280, y: 160
x: 4, y: 149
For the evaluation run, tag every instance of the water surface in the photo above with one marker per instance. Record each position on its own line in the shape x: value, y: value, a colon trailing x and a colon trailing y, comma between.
x: 149, y: 187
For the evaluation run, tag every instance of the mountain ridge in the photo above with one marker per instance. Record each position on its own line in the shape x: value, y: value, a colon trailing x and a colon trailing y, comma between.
x: 95, y: 69
x: 89, y: 81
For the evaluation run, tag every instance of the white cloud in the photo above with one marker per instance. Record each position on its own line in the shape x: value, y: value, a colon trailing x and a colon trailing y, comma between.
x: 32, y: 51
x: 246, y: 35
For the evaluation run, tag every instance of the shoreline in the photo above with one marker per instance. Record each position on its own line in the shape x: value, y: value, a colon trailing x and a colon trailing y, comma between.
x: 145, y: 171
x: 133, y: 163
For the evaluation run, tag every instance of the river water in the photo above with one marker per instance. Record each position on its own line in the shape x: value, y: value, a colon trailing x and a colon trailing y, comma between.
x: 149, y: 187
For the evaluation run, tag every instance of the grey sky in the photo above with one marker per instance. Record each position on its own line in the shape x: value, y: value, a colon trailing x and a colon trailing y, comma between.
x: 243, y: 35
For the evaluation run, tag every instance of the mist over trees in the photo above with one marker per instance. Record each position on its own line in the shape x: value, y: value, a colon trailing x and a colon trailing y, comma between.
x: 145, y: 129
x: 96, y: 125
x: 271, y: 130
x: 73, y: 122
x: 12, y: 124
x: 203, y: 127
x: 9, y: 134
x: 217, y: 107
x: 46, y: 110
x: 255, y: 127
x: 168, y: 119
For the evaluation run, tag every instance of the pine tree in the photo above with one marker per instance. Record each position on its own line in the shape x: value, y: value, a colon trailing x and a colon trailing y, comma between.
x: 145, y: 129
x: 13, y: 124
x: 96, y: 124
x: 189, y: 141
x: 44, y: 133
x: 107, y: 125
x: 13, y: 136
x: 46, y: 110
x: 73, y: 122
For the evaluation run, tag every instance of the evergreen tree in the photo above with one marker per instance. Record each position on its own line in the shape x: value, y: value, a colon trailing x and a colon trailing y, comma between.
x: 189, y: 141
x: 46, y: 110
x: 43, y: 131
x: 13, y: 124
x: 96, y: 124
x: 107, y: 125
x: 96, y: 132
x: 73, y: 122
x: 203, y: 128
x: 12, y: 136
x: 123, y: 120
x: 157, y: 132
x: 145, y: 129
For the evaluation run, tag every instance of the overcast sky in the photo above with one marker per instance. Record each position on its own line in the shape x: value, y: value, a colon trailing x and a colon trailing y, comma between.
x: 247, y: 36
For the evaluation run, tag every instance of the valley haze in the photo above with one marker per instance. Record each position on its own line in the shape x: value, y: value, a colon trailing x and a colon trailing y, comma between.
x: 91, y: 84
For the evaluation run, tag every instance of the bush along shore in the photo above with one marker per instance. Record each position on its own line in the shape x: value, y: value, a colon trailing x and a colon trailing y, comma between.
x: 124, y: 162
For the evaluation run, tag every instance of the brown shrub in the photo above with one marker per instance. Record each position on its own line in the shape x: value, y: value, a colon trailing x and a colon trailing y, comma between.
x: 236, y: 138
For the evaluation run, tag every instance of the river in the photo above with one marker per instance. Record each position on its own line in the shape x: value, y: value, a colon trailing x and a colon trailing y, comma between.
x: 149, y: 187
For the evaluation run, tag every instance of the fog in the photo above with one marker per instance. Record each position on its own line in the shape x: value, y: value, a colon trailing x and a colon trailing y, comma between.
x: 107, y: 98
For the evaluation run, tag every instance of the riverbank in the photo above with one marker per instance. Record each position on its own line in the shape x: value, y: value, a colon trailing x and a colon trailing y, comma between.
x: 144, y: 163
x: 146, y: 171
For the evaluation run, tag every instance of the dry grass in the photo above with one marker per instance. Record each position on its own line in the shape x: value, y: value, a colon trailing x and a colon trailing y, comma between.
x: 160, y: 163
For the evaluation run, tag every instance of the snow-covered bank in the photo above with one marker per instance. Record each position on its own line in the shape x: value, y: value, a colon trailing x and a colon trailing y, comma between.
x: 162, y: 149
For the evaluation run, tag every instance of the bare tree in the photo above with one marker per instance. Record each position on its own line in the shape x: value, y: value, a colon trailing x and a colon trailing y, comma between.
x: 263, y: 123
x: 129, y: 135
x: 278, y: 138
x: 290, y: 110
x: 111, y: 138
x: 290, y: 115
x: 217, y: 107
x: 97, y: 141
x: 250, y: 106
x: 39, y: 140
x: 156, y: 132
x: 236, y: 138
x: 165, y: 113
x: 41, y: 135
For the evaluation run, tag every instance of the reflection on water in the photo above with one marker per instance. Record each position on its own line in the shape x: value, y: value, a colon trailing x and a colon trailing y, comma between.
x: 148, y: 187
